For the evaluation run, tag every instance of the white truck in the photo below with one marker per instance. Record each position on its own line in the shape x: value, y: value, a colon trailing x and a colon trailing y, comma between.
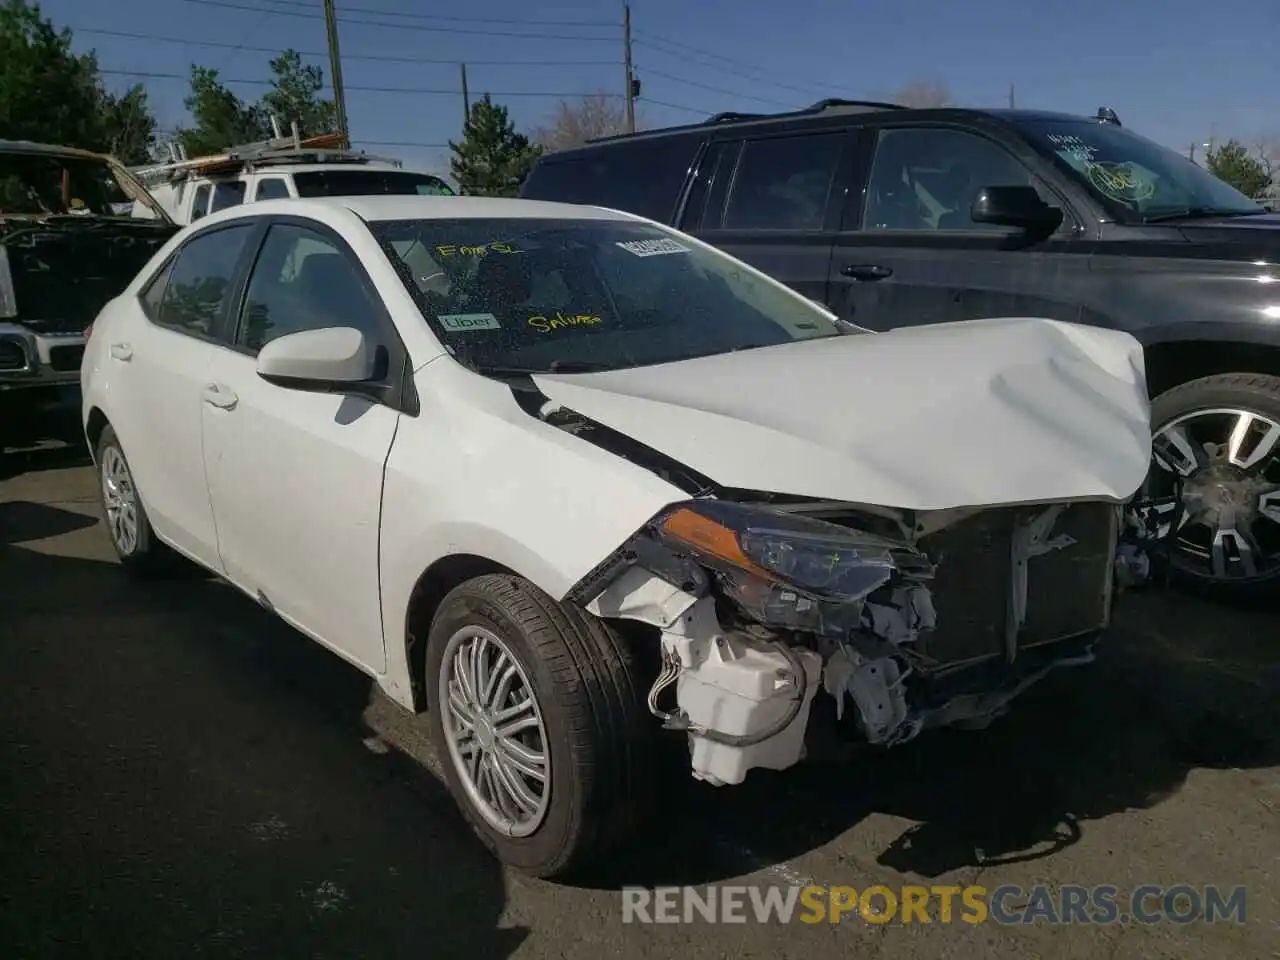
x: 284, y: 167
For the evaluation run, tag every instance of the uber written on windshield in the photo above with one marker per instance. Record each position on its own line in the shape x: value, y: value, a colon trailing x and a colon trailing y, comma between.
x: 1181, y: 903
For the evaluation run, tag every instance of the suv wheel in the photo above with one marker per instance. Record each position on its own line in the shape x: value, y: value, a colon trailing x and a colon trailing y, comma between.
x: 538, y: 717
x: 1216, y: 453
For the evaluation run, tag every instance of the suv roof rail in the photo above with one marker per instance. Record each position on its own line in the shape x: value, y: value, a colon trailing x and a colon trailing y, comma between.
x: 731, y: 115
x: 822, y: 106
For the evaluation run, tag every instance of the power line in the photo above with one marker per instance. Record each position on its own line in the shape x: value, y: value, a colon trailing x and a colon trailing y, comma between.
x: 649, y: 71
x: 382, y: 58
x: 224, y: 4
x: 758, y: 78
x: 676, y: 106
x: 401, y: 143
x: 154, y: 75
x: 382, y: 11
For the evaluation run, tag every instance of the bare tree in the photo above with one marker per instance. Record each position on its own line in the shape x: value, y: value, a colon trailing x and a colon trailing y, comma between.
x: 575, y: 122
x: 923, y: 94
x: 1268, y: 151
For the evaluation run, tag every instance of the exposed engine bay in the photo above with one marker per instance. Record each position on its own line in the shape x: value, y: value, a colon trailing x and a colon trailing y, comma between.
x: 908, y: 621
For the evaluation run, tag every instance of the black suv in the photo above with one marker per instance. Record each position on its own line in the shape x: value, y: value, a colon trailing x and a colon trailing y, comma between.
x: 892, y: 216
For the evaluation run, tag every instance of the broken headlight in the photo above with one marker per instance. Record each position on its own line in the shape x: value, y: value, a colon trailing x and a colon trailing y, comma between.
x: 786, y: 570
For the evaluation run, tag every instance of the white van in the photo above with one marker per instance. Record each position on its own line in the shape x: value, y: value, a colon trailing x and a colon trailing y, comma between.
x: 274, y: 170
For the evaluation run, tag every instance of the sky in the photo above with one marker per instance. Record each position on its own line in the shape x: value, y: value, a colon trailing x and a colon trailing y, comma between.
x: 1178, y: 71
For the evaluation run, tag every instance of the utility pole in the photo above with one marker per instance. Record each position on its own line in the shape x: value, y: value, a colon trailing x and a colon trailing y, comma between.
x: 630, y: 90
x: 335, y: 71
x: 466, y: 97
x: 1191, y: 153
x: 1011, y: 99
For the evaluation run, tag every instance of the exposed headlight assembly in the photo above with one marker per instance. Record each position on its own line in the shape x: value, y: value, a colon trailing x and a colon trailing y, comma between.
x: 786, y: 570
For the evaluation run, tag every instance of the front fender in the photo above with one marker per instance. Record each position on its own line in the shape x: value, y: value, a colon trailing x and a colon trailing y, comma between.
x: 474, y: 474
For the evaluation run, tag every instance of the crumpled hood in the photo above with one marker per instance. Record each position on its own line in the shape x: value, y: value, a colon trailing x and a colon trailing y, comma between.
x: 980, y: 413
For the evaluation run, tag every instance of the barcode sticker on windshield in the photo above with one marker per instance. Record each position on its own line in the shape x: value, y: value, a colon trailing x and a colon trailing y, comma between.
x: 652, y: 248
x: 460, y: 322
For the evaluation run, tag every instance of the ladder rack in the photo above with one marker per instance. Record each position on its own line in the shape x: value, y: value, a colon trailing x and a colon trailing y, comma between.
x: 324, y: 148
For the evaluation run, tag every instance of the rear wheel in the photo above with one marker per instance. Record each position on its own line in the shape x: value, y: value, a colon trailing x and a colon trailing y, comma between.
x: 131, y: 535
x: 538, y: 716
x: 1216, y: 456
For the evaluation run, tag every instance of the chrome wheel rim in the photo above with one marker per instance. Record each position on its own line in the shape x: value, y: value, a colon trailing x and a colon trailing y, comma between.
x: 120, y: 500
x: 1214, y: 488
x: 494, y: 728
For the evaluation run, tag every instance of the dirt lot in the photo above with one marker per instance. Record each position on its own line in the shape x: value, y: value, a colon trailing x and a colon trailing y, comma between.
x: 183, y: 776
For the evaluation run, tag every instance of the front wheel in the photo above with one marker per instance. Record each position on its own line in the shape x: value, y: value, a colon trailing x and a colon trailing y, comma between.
x: 537, y: 714
x: 1216, y: 456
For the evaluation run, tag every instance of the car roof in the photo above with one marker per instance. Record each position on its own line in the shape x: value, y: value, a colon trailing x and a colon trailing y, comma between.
x: 29, y: 146
x: 832, y: 113
x: 379, y: 208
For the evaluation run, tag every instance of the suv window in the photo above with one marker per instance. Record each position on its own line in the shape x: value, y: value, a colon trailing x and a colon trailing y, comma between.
x: 783, y: 183
x: 228, y: 193
x: 200, y: 202
x: 304, y: 281
x: 926, y: 178
x: 196, y: 292
x: 362, y: 183
x: 271, y: 188
x: 641, y: 178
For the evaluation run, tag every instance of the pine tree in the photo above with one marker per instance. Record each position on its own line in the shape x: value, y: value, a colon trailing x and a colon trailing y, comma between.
x: 493, y: 159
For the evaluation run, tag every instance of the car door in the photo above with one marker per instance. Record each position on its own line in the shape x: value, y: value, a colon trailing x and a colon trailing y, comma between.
x: 773, y: 207
x: 908, y: 252
x: 295, y: 476
x: 162, y: 354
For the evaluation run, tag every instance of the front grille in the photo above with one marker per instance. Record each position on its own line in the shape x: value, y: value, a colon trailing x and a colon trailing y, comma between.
x: 66, y: 358
x: 1067, y: 593
x: 13, y: 355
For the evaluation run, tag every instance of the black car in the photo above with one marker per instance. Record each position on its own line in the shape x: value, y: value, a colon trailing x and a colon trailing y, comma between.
x: 68, y: 244
x: 893, y: 216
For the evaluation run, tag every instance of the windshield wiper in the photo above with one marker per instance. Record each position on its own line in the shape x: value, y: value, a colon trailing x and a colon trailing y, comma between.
x: 1201, y: 213
x: 556, y: 366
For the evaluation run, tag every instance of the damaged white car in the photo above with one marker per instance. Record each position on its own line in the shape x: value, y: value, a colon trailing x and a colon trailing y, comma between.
x: 561, y: 477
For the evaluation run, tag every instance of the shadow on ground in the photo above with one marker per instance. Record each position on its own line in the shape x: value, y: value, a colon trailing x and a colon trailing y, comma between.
x: 186, y: 734
x: 1180, y: 684
x: 183, y: 775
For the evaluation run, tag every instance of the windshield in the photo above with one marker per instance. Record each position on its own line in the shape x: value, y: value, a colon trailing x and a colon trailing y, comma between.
x: 364, y: 183
x: 45, y: 183
x: 1136, y: 179
x: 542, y: 295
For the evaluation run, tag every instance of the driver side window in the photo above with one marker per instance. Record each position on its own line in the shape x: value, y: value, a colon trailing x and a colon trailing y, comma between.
x: 926, y: 178
x: 303, y: 281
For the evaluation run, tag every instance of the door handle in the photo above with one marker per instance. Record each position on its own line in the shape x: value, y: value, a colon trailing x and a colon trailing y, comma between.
x: 122, y: 351
x: 216, y: 395
x: 866, y: 271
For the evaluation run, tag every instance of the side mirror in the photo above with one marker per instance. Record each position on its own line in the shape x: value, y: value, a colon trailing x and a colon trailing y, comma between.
x: 333, y: 357
x: 1019, y: 207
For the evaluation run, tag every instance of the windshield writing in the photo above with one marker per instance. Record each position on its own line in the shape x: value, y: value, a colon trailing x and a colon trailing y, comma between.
x: 1133, y: 176
x: 533, y: 294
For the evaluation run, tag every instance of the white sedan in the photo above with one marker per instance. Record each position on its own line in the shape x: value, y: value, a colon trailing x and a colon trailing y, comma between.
x: 559, y: 477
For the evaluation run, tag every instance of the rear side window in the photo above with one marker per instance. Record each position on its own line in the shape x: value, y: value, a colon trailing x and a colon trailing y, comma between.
x: 200, y: 202
x: 200, y: 280
x: 643, y: 178
x: 271, y: 188
x: 365, y: 183
x: 783, y: 183
x: 229, y: 193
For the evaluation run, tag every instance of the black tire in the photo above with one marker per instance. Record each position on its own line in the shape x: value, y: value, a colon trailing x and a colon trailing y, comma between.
x: 1252, y: 392
x: 590, y: 691
x: 149, y: 556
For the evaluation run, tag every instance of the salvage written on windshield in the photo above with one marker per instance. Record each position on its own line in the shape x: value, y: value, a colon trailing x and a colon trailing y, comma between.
x: 561, y: 320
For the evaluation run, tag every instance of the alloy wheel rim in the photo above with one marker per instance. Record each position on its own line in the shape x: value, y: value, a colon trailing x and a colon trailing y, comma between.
x: 120, y: 500
x: 1214, y: 487
x: 495, y: 731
